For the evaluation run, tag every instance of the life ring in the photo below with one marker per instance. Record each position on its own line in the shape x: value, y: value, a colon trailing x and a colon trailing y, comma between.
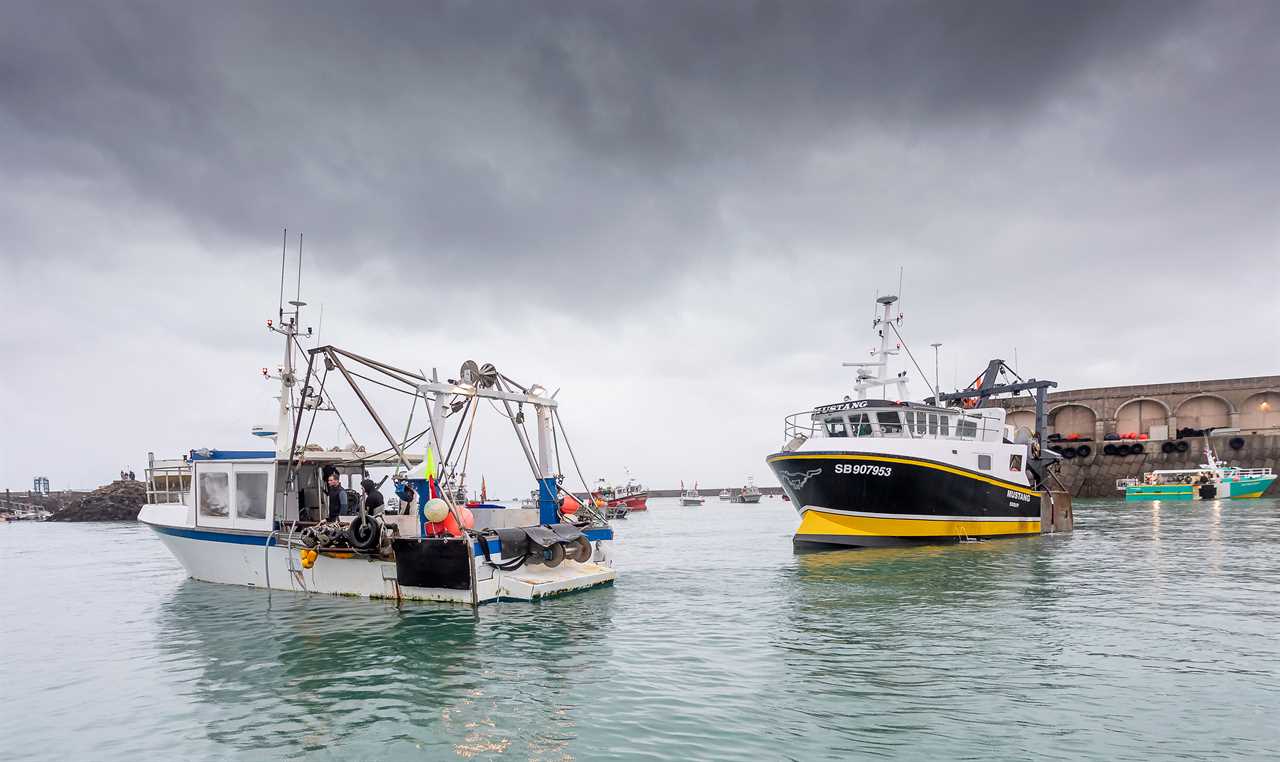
x: 1236, y: 443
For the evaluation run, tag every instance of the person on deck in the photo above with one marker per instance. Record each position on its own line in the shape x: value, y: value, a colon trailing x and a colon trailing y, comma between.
x: 334, y: 491
x: 372, y: 497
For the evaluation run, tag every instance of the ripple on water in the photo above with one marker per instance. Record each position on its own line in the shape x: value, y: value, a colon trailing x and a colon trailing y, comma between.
x: 1149, y: 633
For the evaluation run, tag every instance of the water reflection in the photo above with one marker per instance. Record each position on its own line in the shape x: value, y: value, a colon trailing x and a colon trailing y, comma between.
x: 297, y: 673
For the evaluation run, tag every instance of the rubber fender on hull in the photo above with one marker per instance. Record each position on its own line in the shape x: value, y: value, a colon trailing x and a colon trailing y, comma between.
x: 1167, y: 447
x: 1068, y: 452
x: 1109, y: 449
x: 1122, y: 449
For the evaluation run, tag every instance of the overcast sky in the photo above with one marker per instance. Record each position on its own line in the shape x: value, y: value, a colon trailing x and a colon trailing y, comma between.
x: 677, y: 213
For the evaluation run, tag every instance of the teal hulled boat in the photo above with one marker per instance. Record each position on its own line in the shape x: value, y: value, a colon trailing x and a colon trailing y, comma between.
x: 1211, y: 481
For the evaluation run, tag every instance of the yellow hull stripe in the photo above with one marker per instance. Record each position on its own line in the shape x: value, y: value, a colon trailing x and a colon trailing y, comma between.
x: 1250, y: 494
x: 910, y: 462
x: 818, y: 523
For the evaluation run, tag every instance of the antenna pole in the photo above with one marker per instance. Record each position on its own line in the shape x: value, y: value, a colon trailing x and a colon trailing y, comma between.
x: 936, y: 383
x: 299, y: 296
x: 899, y: 290
x: 284, y: 252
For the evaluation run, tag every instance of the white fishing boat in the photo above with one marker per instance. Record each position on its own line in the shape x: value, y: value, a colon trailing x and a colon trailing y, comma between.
x: 691, y: 496
x: 265, y: 518
x: 725, y: 495
x: 749, y: 493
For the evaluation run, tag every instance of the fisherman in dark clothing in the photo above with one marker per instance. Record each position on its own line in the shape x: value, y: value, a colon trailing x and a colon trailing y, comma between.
x: 372, y: 497
x: 334, y: 491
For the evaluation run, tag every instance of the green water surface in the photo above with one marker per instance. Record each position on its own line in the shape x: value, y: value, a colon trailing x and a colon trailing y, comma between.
x: 1152, y: 632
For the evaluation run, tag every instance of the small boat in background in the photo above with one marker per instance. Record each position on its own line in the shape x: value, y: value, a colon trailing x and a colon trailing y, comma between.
x: 750, y: 493
x: 1213, y: 480
x: 631, y: 495
x: 690, y: 496
x: 725, y: 495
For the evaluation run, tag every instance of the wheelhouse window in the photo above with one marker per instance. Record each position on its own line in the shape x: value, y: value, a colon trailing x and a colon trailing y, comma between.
x: 215, y: 495
x: 836, y: 428
x: 1015, y: 462
x: 966, y: 428
x: 890, y: 423
x: 860, y: 425
x: 944, y: 425
x: 933, y: 424
x: 984, y: 462
x: 251, y: 495
x: 921, y: 424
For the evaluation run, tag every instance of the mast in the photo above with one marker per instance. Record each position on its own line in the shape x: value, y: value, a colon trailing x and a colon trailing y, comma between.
x: 866, y: 381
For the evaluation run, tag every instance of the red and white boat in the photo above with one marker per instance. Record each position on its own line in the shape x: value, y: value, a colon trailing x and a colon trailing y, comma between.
x: 631, y: 495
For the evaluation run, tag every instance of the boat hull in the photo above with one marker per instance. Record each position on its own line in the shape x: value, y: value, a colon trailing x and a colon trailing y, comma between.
x: 1234, y: 488
x: 874, y: 500
x: 257, y: 560
x: 636, y: 502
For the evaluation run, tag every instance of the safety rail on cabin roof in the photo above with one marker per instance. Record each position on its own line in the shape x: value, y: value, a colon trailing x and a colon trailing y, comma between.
x: 160, y: 481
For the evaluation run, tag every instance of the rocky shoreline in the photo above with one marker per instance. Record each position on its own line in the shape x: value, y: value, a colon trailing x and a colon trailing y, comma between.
x: 117, y: 501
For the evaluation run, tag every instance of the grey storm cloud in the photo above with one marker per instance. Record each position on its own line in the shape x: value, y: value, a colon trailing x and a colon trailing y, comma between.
x: 700, y: 192
x: 486, y: 133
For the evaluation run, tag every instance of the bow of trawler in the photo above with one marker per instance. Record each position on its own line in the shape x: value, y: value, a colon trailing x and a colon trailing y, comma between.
x: 877, y: 472
x: 300, y: 517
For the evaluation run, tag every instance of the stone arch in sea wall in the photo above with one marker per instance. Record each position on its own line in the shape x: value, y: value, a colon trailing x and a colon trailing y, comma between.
x: 1073, y: 418
x: 1138, y: 415
x: 1204, y: 411
x: 1261, y: 410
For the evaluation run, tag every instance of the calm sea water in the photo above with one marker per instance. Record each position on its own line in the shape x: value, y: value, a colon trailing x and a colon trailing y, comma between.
x: 1152, y: 632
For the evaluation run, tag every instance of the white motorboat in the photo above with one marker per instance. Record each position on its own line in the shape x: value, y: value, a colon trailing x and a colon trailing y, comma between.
x: 691, y: 496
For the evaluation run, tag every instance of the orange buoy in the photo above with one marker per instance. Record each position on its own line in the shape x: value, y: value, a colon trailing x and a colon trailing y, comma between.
x: 570, y: 505
x: 448, y: 527
x: 468, y: 518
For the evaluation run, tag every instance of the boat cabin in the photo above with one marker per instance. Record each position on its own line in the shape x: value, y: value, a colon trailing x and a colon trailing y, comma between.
x: 882, y: 418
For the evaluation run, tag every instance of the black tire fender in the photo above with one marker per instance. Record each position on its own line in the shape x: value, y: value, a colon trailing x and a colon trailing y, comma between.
x: 1236, y: 443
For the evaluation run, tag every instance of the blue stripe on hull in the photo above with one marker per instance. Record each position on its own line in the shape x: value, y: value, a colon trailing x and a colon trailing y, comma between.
x: 202, y: 534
